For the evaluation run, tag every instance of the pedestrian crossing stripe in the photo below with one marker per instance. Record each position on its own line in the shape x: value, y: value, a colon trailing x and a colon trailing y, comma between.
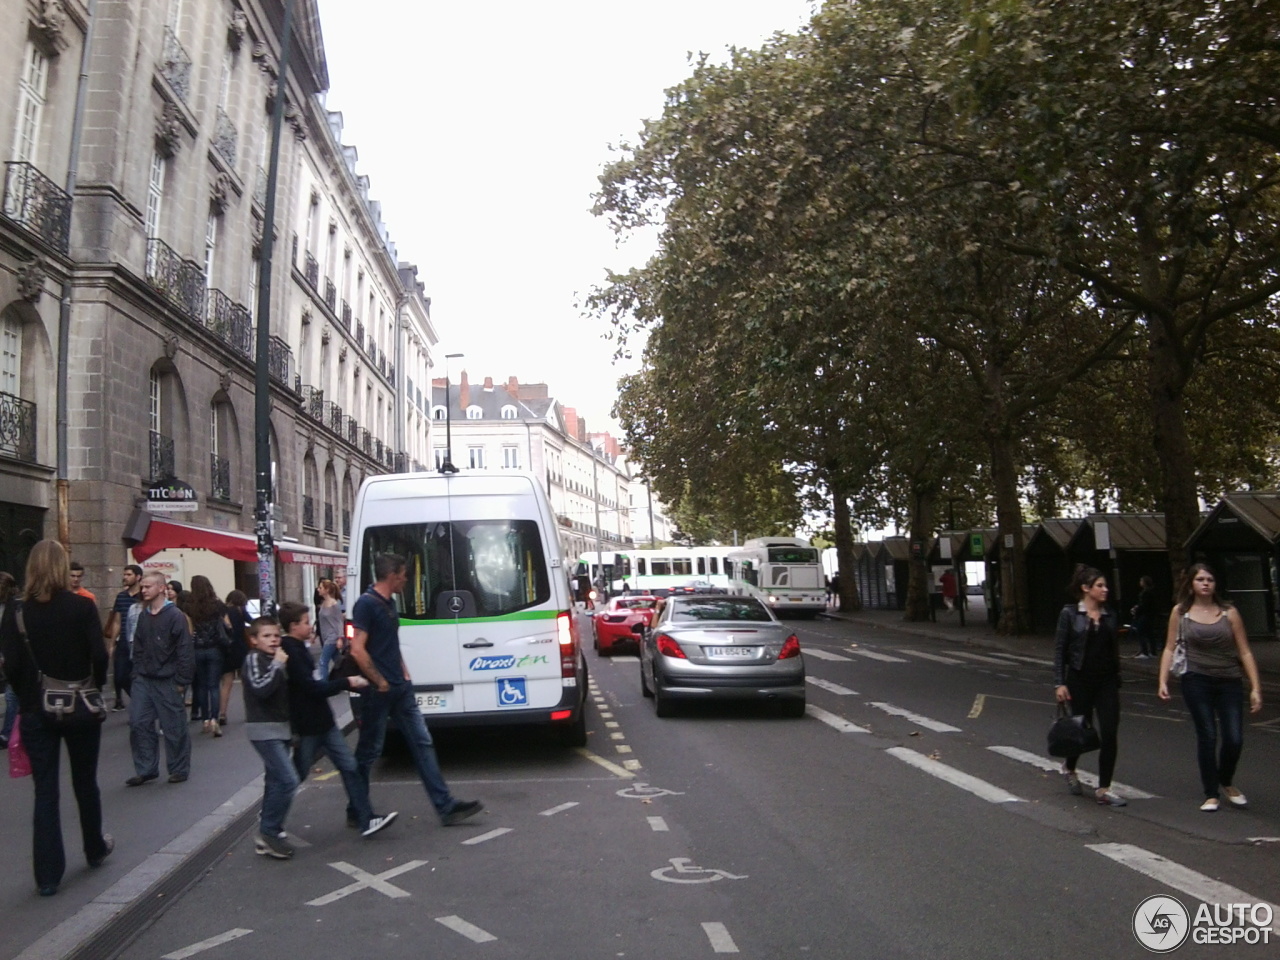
x: 1050, y: 765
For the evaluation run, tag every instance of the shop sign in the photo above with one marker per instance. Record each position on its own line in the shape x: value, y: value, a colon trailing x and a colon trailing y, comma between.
x: 172, y: 496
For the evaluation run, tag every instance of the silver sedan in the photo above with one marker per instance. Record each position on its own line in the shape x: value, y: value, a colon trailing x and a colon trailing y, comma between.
x: 720, y: 647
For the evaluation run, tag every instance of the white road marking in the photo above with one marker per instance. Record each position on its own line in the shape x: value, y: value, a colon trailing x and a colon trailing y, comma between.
x: 982, y: 659
x: 468, y: 930
x: 609, y: 765
x: 624, y: 659
x: 622, y: 748
x: 560, y: 809
x: 1055, y: 766
x: 1204, y: 889
x: 1038, y: 661
x: 872, y: 655
x: 606, y: 715
x: 631, y: 764
x: 957, y: 778
x: 619, y: 735
x: 492, y: 834
x: 610, y: 724
x: 209, y: 944
x: 832, y: 687
x: 831, y: 720
x: 932, y: 656
x: 825, y: 655
x: 1263, y: 839
x: 657, y: 824
x: 366, y: 881
x: 935, y: 725
x: 721, y: 942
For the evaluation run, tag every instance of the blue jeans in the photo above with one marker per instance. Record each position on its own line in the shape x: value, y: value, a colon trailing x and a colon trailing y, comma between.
x: 334, y: 744
x: 1217, y: 707
x: 280, y: 786
x: 42, y: 741
x: 398, y: 703
x: 206, y: 686
x: 151, y: 701
x: 327, y: 653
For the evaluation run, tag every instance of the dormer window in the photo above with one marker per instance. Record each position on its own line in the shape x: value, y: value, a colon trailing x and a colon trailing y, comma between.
x: 437, y: 413
x: 508, y: 412
x: 474, y: 413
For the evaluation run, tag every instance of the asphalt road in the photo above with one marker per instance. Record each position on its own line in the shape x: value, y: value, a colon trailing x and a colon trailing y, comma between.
x: 904, y: 816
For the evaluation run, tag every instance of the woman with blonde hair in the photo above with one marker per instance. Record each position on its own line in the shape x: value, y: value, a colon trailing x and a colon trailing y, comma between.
x: 1217, y: 658
x: 63, y: 640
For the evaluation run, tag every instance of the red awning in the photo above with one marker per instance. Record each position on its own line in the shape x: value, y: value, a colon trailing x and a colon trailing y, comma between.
x: 170, y: 535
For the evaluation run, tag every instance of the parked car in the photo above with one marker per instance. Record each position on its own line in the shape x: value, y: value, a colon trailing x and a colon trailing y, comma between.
x: 612, y: 624
x: 720, y: 648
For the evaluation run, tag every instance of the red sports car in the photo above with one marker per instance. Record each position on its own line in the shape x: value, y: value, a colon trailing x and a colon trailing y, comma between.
x: 611, y: 624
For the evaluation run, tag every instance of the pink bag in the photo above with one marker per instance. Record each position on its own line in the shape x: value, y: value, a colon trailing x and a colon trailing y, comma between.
x: 19, y: 762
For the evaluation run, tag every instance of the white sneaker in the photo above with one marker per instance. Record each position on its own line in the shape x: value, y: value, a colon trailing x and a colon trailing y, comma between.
x: 377, y: 823
x: 1235, y: 797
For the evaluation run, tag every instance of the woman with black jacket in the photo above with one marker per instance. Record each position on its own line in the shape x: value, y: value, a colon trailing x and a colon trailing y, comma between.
x: 1086, y: 674
x: 63, y: 641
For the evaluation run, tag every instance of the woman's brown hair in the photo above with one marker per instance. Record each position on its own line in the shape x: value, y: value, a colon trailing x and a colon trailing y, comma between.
x: 48, y: 571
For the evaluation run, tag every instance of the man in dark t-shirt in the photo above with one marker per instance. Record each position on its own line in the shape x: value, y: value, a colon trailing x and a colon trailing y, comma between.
x: 119, y: 643
x: 375, y: 646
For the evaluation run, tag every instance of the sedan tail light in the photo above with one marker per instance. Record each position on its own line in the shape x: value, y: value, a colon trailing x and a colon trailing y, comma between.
x: 669, y: 648
x: 791, y: 648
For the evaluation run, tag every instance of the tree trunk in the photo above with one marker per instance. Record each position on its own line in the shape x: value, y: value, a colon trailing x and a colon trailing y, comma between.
x: 921, y: 532
x: 849, y: 598
x: 1179, y: 497
x: 1015, y: 614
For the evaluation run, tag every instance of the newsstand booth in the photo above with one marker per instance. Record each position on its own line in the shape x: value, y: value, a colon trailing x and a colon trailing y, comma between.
x: 1126, y: 547
x: 895, y: 554
x: 993, y: 559
x: 1049, y: 570
x: 228, y: 558
x: 1240, y: 540
x: 870, y: 571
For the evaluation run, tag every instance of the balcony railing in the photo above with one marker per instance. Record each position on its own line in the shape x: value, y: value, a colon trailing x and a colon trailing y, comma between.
x: 401, y: 463
x: 360, y: 334
x: 279, y: 360
x: 377, y: 449
x: 17, y: 428
x: 346, y: 316
x: 312, y: 271
x: 225, y: 138
x: 366, y: 440
x: 328, y: 518
x: 308, y: 511
x: 330, y: 295
x: 353, y: 431
x: 180, y: 281
x: 39, y: 204
x: 231, y: 323
x: 220, y: 476
x: 371, y: 348
x: 175, y: 65
x: 391, y: 374
x: 162, y: 458
x: 313, y: 401
x: 333, y: 417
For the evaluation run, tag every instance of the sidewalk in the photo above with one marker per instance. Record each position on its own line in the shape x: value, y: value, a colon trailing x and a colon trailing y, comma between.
x: 977, y: 632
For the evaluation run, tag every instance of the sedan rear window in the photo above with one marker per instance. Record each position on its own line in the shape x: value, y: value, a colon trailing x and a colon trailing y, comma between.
x: 644, y: 604
x: 719, y: 608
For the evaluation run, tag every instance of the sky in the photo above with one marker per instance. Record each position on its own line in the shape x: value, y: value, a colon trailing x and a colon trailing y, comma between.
x: 483, y: 129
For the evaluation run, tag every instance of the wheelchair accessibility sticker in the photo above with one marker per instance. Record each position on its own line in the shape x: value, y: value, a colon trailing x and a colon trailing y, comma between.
x: 512, y: 692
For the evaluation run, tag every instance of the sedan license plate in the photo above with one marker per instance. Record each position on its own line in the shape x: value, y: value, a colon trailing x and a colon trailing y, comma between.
x: 743, y: 653
x: 431, y: 701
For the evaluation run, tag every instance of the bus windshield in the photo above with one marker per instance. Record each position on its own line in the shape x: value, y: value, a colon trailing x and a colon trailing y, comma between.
x: 793, y: 555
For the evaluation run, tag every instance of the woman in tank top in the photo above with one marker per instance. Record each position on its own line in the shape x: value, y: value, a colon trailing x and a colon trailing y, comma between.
x: 1218, y: 657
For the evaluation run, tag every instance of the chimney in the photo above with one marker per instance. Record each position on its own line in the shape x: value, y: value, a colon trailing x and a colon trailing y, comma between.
x: 571, y: 422
x: 488, y: 384
x: 464, y: 393
x: 513, y: 386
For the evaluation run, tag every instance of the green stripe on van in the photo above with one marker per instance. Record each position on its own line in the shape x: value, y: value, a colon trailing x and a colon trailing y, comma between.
x: 505, y: 618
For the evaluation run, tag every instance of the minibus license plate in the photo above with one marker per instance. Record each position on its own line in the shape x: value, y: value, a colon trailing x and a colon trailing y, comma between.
x: 432, y: 701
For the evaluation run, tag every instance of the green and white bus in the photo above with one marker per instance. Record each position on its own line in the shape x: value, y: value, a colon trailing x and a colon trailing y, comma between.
x: 785, y: 573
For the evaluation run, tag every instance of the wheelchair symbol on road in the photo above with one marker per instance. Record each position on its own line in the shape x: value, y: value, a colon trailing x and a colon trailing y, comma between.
x: 642, y: 791
x: 684, y: 870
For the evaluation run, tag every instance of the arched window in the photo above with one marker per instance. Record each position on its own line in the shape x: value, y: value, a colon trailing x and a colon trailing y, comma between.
x: 508, y: 412
x: 221, y: 435
x: 474, y: 413
x: 310, y: 485
x: 437, y: 413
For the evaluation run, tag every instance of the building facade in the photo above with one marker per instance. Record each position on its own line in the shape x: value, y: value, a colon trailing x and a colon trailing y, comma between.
x: 130, y: 271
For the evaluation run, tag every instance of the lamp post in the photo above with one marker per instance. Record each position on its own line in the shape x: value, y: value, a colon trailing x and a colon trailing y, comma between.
x: 446, y: 465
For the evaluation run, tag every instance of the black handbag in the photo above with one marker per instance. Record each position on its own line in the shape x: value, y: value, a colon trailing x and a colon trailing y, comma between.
x: 1071, y: 736
x: 65, y: 703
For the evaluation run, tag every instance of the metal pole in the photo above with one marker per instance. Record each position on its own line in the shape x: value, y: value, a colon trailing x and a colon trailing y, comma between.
x: 446, y: 465
x: 262, y: 381
x: 595, y: 496
x: 649, y: 488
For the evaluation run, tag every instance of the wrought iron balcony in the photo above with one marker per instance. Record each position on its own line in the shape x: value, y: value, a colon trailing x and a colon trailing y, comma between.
x: 353, y: 431
x: 220, y: 477
x: 279, y: 361
x: 360, y: 334
x: 401, y: 463
x: 225, y: 138
x: 230, y: 322
x: 308, y: 511
x: 175, y: 65
x: 366, y: 440
x: 328, y: 518
x: 333, y: 418
x: 377, y: 449
x: 313, y: 402
x: 180, y: 281
x: 382, y: 362
x: 17, y: 428
x: 294, y: 261
x: 330, y: 295
x: 39, y: 204
x: 163, y: 462
x: 312, y: 271
x: 372, y: 348
x: 346, y: 315
x: 391, y: 374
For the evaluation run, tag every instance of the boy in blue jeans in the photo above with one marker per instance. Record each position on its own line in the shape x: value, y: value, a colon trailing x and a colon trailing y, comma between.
x: 266, y: 711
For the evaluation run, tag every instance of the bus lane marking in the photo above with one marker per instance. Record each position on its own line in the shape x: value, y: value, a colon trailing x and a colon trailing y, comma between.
x: 367, y: 881
x: 209, y: 944
x: 468, y: 930
x: 718, y: 934
x: 657, y: 824
x: 617, y: 771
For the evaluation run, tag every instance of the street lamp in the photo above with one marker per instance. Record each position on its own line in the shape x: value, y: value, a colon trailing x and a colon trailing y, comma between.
x: 446, y: 465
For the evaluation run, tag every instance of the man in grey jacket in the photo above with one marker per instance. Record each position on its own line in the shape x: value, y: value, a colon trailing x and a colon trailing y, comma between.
x: 163, y: 665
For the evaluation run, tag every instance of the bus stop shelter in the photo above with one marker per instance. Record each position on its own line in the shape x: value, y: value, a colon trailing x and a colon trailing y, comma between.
x: 1240, y: 540
x: 1125, y: 547
x: 1049, y: 570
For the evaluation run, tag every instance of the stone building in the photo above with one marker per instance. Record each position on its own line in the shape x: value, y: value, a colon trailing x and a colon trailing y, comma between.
x: 130, y: 244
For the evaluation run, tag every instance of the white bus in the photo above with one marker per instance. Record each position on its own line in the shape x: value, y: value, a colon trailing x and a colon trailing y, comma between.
x: 659, y: 572
x: 783, y: 572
